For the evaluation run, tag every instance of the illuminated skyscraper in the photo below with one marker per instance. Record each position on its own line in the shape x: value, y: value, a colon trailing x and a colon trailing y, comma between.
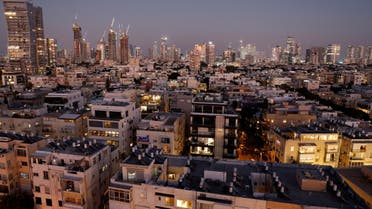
x: 163, y: 48
x: 210, y: 52
x: 195, y: 58
x: 276, y: 54
x: 51, y: 51
x: 138, y: 52
x: 332, y: 53
x: 25, y: 36
x: 101, y: 50
x: 124, y: 49
x: 293, y: 49
x: 78, y: 39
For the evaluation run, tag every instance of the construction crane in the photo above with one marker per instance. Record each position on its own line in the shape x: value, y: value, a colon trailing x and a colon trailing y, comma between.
x: 127, y: 30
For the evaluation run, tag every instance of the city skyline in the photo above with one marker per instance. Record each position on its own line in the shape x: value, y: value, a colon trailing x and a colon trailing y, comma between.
x: 314, y: 23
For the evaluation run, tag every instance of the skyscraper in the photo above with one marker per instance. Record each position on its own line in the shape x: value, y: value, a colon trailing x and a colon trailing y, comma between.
x: 51, y: 51
x: 25, y: 36
x: 332, y: 53
x: 210, y: 52
x: 315, y: 55
x: 163, y: 48
x: 293, y: 49
x: 275, y: 57
x: 155, y: 54
x: 101, y: 50
x: 78, y: 39
x: 111, y: 44
x: 124, y: 49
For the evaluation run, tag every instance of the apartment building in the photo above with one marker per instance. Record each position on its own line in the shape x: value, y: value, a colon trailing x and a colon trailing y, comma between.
x: 148, y: 179
x: 213, y: 127
x: 71, y: 173
x: 287, y: 114
x: 311, y: 144
x: 15, y: 164
x: 62, y: 125
x: 64, y: 100
x: 356, y: 149
x: 112, y: 121
x: 164, y: 130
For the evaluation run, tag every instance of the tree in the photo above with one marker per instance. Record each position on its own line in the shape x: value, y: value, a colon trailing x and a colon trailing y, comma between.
x: 173, y: 76
x: 20, y: 200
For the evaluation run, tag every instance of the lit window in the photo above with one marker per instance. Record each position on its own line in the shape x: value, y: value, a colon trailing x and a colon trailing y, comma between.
x: 131, y: 176
x: 171, y: 176
x: 183, y: 204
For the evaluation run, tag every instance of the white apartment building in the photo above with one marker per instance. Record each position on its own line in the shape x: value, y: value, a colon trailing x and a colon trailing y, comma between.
x: 71, y: 174
x: 112, y: 121
x: 165, y: 130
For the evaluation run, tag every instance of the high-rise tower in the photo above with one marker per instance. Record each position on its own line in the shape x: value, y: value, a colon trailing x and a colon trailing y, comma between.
x: 112, y: 42
x: 78, y: 43
x: 163, y: 48
x: 25, y: 36
x: 332, y: 53
x: 124, y: 47
x: 210, y: 58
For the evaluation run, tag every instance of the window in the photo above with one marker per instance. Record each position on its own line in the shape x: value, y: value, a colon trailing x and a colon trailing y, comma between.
x: 45, y: 175
x: 21, y: 152
x: 131, y: 176
x: 183, y: 204
x: 38, y: 200
x: 171, y: 176
x: 47, y: 190
x: 165, y: 140
x: 119, y: 195
x: 48, y: 202
x: 24, y: 163
x: 59, y: 203
x: 23, y: 175
x: 36, y: 174
x: 2, y: 165
x: 37, y: 189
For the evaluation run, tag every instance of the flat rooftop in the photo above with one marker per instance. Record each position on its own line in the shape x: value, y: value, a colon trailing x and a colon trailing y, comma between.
x: 74, y: 146
x: 10, y: 136
x: 239, y: 178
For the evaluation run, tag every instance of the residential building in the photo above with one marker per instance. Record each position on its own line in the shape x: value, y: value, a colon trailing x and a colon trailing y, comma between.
x: 64, y: 100
x: 64, y: 125
x: 310, y: 144
x: 164, y: 130
x: 112, y: 121
x: 213, y: 127
x: 15, y: 161
x: 356, y: 149
x: 148, y: 179
x: 71, y: 173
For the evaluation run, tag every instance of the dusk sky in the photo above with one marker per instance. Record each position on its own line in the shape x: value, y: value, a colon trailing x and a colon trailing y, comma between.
x: 265, y: 23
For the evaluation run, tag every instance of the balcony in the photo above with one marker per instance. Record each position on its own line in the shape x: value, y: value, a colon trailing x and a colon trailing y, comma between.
x: 203, y: 133
x: 73, y: 199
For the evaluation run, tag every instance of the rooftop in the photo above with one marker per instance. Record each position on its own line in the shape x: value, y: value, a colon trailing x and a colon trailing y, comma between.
x: 10, y: 136
x: 74, y: 146
x: 258, y: 180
